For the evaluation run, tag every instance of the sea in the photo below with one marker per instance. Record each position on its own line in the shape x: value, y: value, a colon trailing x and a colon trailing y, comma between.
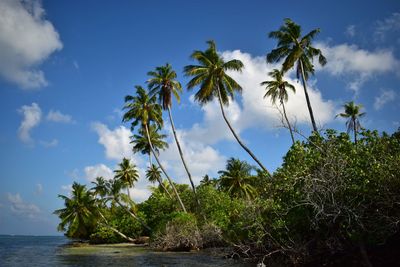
x: 53, y: 251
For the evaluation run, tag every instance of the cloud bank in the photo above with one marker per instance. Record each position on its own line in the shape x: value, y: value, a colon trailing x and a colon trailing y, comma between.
x: 26, y: 40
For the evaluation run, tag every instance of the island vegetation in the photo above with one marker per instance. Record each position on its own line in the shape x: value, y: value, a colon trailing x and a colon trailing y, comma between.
x: 335, y: 198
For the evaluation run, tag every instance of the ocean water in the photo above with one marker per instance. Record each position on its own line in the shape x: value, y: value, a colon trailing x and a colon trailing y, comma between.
x: 51, y: 251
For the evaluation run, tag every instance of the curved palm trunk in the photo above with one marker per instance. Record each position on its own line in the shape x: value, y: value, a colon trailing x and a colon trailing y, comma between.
x: 158, y: 180
x: 181, y: 154
x: 163, y: 170
x: 237, y: 137
x: 133, y: 215
x: 355, y: 131
x: 129, y: 194
x: 114, y: 229
x: 287, y: 120
x: 314, y: 125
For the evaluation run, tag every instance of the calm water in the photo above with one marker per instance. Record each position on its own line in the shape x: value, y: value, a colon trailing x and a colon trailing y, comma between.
x: 49, y: 251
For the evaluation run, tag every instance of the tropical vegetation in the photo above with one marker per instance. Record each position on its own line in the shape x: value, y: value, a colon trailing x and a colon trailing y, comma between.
x: 333, y: 201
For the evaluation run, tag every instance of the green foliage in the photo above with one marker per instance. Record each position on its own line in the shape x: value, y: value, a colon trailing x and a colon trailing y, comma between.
x: 336, y: 193
x: 80, y: 213
x: 180, y: 233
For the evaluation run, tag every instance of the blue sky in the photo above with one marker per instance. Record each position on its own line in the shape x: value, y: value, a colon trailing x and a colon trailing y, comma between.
x: 65, y: 67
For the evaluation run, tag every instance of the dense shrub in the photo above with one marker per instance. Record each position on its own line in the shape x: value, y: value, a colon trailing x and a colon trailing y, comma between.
x: 180, y: 234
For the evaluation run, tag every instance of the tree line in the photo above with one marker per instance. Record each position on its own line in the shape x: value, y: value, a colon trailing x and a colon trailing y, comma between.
x: 294, y: 215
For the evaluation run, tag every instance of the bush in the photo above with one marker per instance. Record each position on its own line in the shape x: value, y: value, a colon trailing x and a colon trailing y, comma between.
x: 180, y: 234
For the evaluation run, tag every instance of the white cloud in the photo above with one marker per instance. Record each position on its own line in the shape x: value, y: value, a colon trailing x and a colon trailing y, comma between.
x: 351, y: 30
x: 383, y: 98
x: 91, y: 172
x: 386, y: 26
x: 49, y: 144
x: 57, y: 116
x: 259, y: 112
x: 26, y: 40
x: 116, y: 142
x: 67, y: 188
x: 39, y: 189
x: 358, y: 64
x: 20, y: 208
x: 32, y: 117
x: 200, y: 158
x: 139, y: 194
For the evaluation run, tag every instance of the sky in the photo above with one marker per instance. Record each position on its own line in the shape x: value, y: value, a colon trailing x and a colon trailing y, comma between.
x: 65, y: 67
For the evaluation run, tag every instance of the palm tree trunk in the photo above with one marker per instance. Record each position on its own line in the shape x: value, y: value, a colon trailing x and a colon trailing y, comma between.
x: 158, y: 180
x: 114, y: 229
x: 132, y: 214
x: 183, y: 159
x: 355, y: 131
x: 163, y: 170
x: 314, y: 125
x: 287, y: 121
x: 237, y: 137
x: 129, y: 194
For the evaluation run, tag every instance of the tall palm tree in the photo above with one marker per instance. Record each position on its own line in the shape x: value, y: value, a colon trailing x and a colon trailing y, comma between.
x: 211, y: 76
x: 352, y: 113
x: 100, y: 189
x: 127, y: 173
x: 153, y: 174
x: 142, y: 145
x: 296, y: 49
x: 143, y: 109
x: 80, y: 212
x: 110, y: 190
x: 276, y: 89
x: 163, y: 84
x: 236, y: 179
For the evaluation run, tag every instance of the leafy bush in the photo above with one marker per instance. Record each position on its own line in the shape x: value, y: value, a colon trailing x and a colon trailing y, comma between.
x: 180, y: 234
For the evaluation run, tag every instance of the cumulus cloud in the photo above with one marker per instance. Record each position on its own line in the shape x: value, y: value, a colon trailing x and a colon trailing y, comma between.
x: 57, y: 116
x: 21, y: 208
x: 116, y: 142
x: 201, y: 158
x: 67, y: 188
x: 91, y: 172
x: 32, y: 116
x: 259, y: 111
x: 383, y: 98
x: 358, y: 64
x: 26, y: 40
x: 389, y: 25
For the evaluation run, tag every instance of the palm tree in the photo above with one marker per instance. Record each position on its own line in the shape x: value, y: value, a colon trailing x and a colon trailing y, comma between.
x: 143, y: 109
x: 111, y: 191
x: 352, y: 113
x: 153, y: 174
x: 127, y: 173
x: 236, y: 179
x: 276, y: 89
x: 142, y: 145
x: 163, y: 84
x: 295, y: 49
x: 101, y: 189
x: 211, y: 76
x: 80, y: 212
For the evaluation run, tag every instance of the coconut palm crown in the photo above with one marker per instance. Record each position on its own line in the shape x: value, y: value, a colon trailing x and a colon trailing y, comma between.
x: 163, y: 84
x: 296, y: 49
x: 213, y: 81
x: 236, y: 179
x: 276, y: 89
x: 352, y: 113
